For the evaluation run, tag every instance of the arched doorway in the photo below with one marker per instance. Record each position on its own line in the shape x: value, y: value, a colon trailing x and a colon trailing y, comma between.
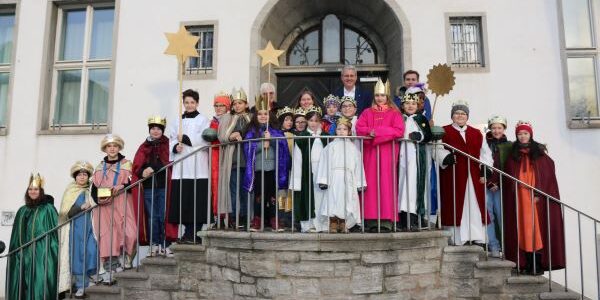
x: 319, y: 37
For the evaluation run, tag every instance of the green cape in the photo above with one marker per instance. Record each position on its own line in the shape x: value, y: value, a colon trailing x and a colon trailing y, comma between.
x: 32, y: 270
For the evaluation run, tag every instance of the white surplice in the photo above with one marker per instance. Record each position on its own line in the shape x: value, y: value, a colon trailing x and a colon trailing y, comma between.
x: 407, y: 192
x: 341, y: 169
x: 192, y: 167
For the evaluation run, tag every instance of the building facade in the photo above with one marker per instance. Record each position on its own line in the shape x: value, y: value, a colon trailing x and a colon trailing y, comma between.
x: 72, y: 71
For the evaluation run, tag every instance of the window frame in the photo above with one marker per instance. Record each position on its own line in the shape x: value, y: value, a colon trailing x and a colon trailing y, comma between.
x: 10, y: 7
x: 483, y: 45
x: 206, y: 75
x: 586, y: 52
x: 52, y: 65
x: 341, y: 47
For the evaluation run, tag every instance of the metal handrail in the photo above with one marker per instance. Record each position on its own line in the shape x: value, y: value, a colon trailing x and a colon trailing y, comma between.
x: 504, y: 174
x: 164, y: 168
x: 139, y: 181
x: 436, y: 146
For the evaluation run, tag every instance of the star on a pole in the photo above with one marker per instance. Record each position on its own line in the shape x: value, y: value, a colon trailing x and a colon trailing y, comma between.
x: 269, y: 55
x: 182, y: 44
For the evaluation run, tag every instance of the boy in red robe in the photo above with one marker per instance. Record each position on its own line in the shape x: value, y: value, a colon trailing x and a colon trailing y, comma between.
x: 150, y: 158
x: 462, y: 190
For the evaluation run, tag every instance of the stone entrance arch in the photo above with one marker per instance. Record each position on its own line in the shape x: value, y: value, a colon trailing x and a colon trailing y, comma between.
x: 383, y: 20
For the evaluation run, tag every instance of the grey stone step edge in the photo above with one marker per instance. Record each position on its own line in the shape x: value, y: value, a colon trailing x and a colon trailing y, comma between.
x: 495, y: 264
x: 104, y: 289
x: 559, y: 296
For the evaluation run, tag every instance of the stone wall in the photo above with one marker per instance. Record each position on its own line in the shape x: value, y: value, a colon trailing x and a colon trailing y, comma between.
x: 344, y: 266
x: 241, y: 265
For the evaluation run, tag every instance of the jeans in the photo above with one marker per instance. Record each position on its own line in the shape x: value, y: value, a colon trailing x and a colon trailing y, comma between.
x: 155, y: 214
x: 236, y: 189
x: 495, y: 214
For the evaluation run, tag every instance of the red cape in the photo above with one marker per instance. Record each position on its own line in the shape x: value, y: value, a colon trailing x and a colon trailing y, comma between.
x: 448, y: 192
x: 545, y: 179
x: 141, y: 156
x: 214, y: 169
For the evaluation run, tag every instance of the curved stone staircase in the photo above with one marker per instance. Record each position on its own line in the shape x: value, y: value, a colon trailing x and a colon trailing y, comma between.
x: 240, y: 265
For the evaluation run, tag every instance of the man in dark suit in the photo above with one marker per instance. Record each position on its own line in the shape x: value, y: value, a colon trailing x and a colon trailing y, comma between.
x: 363, y: 98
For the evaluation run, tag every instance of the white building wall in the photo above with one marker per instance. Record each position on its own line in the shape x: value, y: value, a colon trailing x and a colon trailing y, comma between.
x: 525, y: 81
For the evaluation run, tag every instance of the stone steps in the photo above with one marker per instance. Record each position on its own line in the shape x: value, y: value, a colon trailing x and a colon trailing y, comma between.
x: 103, y: 292
x: 559, y: 296
x: 473, y: 276
x: 234, y: 265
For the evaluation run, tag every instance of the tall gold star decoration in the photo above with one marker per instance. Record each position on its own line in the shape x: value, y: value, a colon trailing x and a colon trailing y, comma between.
x: 182, y: 45
x: 440, y: 81
x: 269, y: 56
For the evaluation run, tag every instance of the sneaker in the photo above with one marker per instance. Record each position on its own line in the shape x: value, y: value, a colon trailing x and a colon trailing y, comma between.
x: 107, y: 278
x: 255, y: 226
x: 80, y: 294
x: 127, y: 263
x: 155, y: 250
x: 168, y: 252
x: 277, y: 226
x: 495, y: 254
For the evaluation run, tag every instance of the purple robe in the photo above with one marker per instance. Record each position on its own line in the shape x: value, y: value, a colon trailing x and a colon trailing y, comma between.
x: 250, y: 153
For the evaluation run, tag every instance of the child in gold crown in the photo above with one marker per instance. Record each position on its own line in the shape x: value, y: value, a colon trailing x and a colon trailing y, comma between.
x: 307, y: 152
x: 341, y: 176
x: 413, y: 163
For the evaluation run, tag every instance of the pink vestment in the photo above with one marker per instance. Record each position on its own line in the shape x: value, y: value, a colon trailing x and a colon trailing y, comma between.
x: 114, y: 223
x: 388, y: 126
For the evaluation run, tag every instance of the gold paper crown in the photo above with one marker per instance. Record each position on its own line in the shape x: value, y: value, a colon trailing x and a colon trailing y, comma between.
x: 82, y: 166
x: 239, y: 95
x: 112, y: 138
x: 314, y: 109
x: 283, y: 111
x: 331, y: 99
x: 344, y: 121
x: 348, y: 99
x: 411, y: 98
x: 497, y: 120
x: 222, y: 94
x: 262, y: 103
x: 299, y: 112
x: 460, y: 102
x: 382, y: 88
x: 36, y: 181
x: 524, y: 123
x: 157, y: 120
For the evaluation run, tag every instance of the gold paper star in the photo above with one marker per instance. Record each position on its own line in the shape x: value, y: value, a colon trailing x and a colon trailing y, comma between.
x: 440, y: 79
x: 182, y: 44
x: 269, y: 55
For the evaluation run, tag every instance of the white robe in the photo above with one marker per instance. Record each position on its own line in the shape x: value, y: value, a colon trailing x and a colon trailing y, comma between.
x: 471, y: 214
x: 193, y: 128
x: 315, y: 155
x: 407, y: 191
x: 296, y: 178
x: 341, y: 168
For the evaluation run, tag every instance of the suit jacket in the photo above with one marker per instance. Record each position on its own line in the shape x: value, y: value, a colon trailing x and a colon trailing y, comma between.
x: 363, y: 98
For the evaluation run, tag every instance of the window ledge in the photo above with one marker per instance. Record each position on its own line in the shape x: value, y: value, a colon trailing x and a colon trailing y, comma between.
x: 485, y: 69
x: 209, y: 75
x: 578, y: 124
x: 75, y: 130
